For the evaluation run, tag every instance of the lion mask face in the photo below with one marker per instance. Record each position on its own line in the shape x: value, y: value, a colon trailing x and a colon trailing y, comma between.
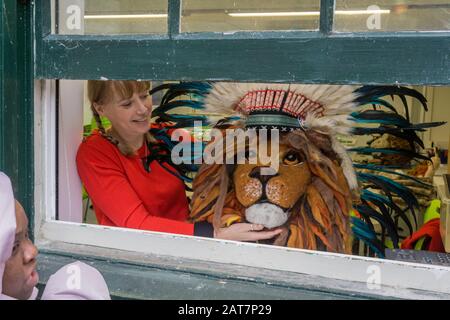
x: 268, y: 198
x: 308, y: 195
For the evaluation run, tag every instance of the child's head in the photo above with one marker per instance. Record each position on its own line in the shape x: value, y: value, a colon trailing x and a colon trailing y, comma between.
x: 20, y: 275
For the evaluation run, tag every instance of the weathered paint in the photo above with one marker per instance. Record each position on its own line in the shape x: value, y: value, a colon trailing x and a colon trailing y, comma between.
x: 151, y: 282
x: 16, y: 99
x: 395, y: 277
x: 326, y: 16
x: 208, y: 279
x: 174, y: 17
x: 297, y: 57
x: 307, y: 57
x: 310, y: 57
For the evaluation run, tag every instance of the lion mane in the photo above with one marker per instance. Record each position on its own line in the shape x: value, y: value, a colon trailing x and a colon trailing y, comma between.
x: 320, y: 217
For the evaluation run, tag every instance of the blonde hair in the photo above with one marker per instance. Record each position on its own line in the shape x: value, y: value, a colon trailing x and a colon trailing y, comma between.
x: 101, y: 92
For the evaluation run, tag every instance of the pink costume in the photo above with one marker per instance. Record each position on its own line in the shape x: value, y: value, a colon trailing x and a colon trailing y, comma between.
x: 7, y: 229
x: 76, y: 281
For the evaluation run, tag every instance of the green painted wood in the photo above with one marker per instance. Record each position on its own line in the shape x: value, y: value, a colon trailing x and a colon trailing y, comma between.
x: 138, y: 281
x: 307, y: 57
x: 326, y: 16
x: 16, y: 100
x: 42, y: 25
x: 174, y: 17
x: 2, y: 81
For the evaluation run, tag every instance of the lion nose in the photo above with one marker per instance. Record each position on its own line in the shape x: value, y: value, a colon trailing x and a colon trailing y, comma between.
x: 256, y: 173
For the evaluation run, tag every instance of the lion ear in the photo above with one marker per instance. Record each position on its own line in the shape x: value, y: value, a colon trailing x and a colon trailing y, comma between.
x: 297, y: 140
x: 322, y: 141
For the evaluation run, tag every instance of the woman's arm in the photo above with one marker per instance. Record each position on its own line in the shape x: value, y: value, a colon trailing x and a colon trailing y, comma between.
x: 246, y: 232
x: 110, y: 191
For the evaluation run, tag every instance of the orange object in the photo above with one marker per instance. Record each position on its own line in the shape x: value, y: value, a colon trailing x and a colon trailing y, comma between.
x: 430, y: 231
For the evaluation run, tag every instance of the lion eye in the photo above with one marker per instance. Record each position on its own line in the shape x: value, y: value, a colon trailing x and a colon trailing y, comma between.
x: 292, y: 158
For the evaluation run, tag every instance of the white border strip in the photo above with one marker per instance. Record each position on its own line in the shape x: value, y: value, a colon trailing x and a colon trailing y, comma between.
x: 44, y: 151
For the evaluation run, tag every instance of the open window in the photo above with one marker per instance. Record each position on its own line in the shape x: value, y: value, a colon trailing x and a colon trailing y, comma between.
x: 306, y: 42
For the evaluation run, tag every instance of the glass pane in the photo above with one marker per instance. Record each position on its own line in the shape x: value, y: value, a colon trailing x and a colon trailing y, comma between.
x: 392, y: 15
x: 249, y: 15
x: 111, y: 16
x: 406, y: 168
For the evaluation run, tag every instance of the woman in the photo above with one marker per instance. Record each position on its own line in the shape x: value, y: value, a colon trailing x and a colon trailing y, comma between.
x: 124, y: 191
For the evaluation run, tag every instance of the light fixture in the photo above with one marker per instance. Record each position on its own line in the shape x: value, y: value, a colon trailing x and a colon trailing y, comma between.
x: 355, y: 12
x: 125, y: 16
x: 275, y: 14
x: 239, y: 14
x: 305, y: 13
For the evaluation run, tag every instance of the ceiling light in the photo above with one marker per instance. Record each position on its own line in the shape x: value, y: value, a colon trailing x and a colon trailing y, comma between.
x: 305, y: 13
x: 125, y: 16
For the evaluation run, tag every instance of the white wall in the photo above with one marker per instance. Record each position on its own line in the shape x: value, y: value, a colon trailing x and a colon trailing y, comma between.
x: 70, y: 125
x: 440, y: 111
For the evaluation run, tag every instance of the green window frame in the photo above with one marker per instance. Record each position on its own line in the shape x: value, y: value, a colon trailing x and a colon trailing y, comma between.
x: 16, y: 100
x: 302, y: 56
x: 319, y: 57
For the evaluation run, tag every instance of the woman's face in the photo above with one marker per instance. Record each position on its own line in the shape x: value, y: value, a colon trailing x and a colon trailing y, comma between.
x: 129, y: 117
x: 20, y: 276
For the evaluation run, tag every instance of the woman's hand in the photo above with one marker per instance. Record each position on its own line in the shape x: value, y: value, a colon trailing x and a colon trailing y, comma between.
x: 246, y: 232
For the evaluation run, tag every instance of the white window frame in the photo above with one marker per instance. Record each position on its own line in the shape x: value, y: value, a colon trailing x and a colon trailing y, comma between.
x: 397, y: 279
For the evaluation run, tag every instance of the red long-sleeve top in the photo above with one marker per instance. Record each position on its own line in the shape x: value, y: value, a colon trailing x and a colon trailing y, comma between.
x: 124, y: 194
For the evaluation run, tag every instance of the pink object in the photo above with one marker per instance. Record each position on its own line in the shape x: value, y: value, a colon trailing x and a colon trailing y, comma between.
x: 7, y: 230
x: 76, y: 281
x: 7, y: 226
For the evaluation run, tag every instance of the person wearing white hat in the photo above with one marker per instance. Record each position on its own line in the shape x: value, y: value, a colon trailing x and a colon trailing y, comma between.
x: 18, y: 274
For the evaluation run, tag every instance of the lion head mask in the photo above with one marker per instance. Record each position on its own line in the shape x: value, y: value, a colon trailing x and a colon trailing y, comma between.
x: 308, y: 195
x: 310, y: 187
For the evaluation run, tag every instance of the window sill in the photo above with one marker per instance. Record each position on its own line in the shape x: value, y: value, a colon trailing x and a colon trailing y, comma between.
x: 180, y: 267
